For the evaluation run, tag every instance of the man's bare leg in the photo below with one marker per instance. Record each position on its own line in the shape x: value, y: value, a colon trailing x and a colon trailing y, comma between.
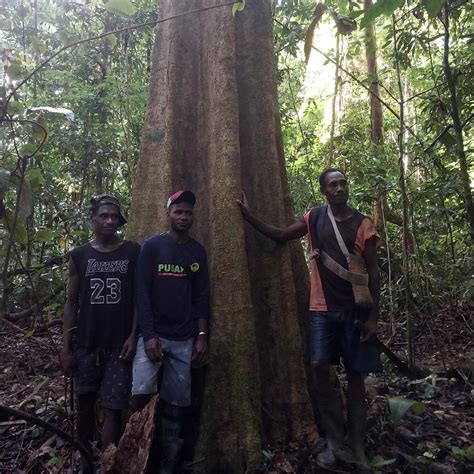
x: 85, y: 418
x: 112, y: 427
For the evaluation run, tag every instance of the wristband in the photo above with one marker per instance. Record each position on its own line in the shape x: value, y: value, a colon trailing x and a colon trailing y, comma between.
x: 202, y: 333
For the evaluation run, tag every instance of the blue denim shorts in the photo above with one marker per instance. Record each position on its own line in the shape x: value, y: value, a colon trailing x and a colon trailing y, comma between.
x: 176, y: 384
x: 334, y: 335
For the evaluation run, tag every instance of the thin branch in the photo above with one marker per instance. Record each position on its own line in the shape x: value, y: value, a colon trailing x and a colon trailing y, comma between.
x: 103, y: 35
x: 7, y: 411
x: 422, y: 92
x: 387, y: 91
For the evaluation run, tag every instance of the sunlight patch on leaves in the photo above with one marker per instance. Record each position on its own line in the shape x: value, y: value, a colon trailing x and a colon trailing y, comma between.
x: 121, y: 7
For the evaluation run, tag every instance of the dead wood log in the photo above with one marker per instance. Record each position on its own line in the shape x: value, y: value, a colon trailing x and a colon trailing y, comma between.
x: 132, y: 453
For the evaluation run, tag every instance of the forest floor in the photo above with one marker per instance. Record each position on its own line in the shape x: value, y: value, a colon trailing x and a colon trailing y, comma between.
x: 435, y: 434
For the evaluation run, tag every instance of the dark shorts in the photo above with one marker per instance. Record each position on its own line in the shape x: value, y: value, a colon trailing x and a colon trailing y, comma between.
x: 335, y: 336
x: 101, y: 370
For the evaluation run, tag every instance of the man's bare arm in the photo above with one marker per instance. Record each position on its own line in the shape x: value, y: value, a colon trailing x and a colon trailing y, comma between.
x: 70, y: 317
x: 293, y: 231
x: 370, y: 257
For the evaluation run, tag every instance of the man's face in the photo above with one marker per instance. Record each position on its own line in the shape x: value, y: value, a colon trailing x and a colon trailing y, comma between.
x: 336, y: 188
x: 105, y: 221
x: 181, y: 216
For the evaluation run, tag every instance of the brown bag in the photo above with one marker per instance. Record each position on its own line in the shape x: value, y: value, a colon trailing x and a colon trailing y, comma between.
x: 362, y: 295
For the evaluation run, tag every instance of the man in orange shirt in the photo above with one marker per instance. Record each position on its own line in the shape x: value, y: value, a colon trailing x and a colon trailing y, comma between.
x: 339, y: 327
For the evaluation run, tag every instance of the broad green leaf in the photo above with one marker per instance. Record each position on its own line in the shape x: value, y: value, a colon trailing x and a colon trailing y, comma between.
x: 44, y: 235
x: 38, y: 45
x: 28, y: 148
x: 40, y: 128
x: 15, y: 108
x: 381, y: 7
x: 35, y: 175
x: 19, y: 235
x: 69, y: 114
x: 356, y: 13
x: 4, y: 181
x: 433, y: 7
x: 15, y: 70
x: 379, y: 461
x: 35, y: 178
x: 122, y: 7
x: 238, y: 7
x: 111, y: 40
x: 400, y: 405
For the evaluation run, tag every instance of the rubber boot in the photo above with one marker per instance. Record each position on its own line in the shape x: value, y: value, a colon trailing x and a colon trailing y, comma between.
x: 332, y: 422
x: 170, y: 450
x: 356, y: 428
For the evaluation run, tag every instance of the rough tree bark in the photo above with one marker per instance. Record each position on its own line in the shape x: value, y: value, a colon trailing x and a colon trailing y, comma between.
x: 212, y: 125
x: 376, y: 112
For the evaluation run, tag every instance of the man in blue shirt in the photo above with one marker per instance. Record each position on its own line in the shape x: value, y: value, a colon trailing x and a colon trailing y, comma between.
x: 173, y: 311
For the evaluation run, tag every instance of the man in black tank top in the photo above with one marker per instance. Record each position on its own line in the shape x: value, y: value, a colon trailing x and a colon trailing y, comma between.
x: 99, y: 339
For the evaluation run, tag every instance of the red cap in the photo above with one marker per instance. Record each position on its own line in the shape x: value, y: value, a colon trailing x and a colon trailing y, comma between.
x: 181, y: 196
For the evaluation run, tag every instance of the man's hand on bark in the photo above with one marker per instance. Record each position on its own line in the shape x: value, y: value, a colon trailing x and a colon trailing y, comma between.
x: 244, y: 205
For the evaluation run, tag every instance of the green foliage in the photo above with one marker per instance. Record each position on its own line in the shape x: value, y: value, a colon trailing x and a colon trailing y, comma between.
x: 238, y: 7
x: 400, y: 405
x: 433, y: 7
x: 122, y: 7
x: 380, y: 7
x: 378, y: 461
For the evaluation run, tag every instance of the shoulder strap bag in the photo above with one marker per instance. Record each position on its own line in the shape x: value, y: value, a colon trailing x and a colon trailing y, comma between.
x: 357, y: 273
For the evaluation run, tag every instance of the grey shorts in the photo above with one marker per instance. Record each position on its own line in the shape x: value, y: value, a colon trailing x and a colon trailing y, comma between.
x: 176, y: 384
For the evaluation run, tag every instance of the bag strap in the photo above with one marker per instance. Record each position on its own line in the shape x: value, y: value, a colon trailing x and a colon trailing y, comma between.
x: 340, y: 240
x: 331, y: 264
x: 316, y: 221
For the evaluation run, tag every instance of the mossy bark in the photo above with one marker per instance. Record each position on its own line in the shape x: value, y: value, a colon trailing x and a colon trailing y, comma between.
x: 212, y: 126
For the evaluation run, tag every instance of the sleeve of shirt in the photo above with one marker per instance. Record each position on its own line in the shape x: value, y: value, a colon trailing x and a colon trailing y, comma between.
x: 200, y: 298
x: 144, y: 284
x: 365, y: 232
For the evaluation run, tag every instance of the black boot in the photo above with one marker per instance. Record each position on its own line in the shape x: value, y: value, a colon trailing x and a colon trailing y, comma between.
x: 356, y: 428
x: 332, y: 421
x: 170, y: 454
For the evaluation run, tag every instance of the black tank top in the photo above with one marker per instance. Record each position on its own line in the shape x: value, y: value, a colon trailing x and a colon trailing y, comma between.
x: 106, y: 288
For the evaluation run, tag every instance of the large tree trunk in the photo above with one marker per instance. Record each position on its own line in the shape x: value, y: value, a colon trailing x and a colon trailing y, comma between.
x: 212, y: 125
x: 376, y: 112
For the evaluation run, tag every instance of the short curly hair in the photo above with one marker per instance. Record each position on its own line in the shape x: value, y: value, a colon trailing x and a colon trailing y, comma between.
x: 322, y: 176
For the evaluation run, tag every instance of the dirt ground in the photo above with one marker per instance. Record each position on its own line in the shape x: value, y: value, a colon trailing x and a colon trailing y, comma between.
x: 434, y: 435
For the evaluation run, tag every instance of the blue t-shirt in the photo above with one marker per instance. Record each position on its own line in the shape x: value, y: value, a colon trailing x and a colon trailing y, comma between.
x: 172, y: 287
